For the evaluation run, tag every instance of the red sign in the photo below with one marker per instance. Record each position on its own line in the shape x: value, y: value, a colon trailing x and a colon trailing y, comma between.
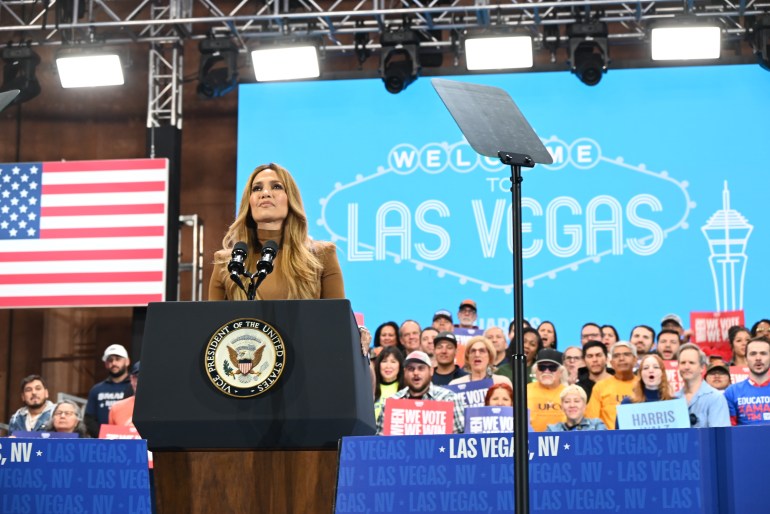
x: 672, y: 372
x: 738, y: 374
x: 710, y: 329
x: 416, y: 417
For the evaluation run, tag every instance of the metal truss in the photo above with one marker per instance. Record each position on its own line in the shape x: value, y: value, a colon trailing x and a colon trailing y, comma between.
x: 338, y: 22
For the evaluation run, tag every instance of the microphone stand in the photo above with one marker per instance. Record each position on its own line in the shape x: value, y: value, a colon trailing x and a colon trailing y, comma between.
x: 254, y: 285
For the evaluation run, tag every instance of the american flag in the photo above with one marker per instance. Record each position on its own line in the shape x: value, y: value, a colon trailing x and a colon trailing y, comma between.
x: 83, y: 233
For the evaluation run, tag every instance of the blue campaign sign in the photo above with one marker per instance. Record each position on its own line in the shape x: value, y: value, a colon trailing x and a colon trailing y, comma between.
x: 576, y: 472
x: 488, y: 420
x: 74, y: 476
x: 472, y: 393
x: 646, y: 415
x: 652, y: 188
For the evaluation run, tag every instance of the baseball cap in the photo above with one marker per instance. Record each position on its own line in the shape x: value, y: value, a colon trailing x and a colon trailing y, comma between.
x: 445, y: 336
x: 468, y: 303
x: 115, y: 349
x: 549, y: 355
x: 135, y: 368
x: 717, y: 367
x: 418, y: 356
x: 671, y: 317
x: 442, y: 313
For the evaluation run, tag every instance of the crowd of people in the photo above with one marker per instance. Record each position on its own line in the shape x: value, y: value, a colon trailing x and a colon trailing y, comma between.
x: 581, y: 387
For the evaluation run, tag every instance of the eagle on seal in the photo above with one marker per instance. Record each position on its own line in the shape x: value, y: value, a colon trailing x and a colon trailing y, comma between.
x: 244, y: 360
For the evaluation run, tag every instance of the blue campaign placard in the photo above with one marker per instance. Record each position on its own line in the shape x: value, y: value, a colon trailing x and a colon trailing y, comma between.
x: 81, y: 476
x: 488, y: 420
x: 472, y: 393
x: 422, y: 222
x: 575, y: 472
x: 646, y: 415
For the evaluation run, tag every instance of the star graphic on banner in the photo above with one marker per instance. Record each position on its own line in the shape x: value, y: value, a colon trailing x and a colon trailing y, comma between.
x: 24, y: 193
x: 6, y: 178
x: 16, y: 170
x: 24, y: 178
x: 441, y: 449
x: 14, y: 201
x: 15, y: 186
x: 33, y: 170
x: 6, y: 193
x: 14, y: 216
x: 31, y: 216
x: 22, y: 224
x: 39, y: 453
x: 31, y: 232
x: 566, y: 446
x: 3, y: 225
x: 23, y: 209
x: 33, y: 201
x: 12, y: 232
x: 33, y: 185
x: 4, y: 209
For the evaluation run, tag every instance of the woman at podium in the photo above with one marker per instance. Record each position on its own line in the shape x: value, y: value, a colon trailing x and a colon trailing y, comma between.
x: 271, y: 210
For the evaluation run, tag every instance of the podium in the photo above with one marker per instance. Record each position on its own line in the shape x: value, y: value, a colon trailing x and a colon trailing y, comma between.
x: 206, y: 439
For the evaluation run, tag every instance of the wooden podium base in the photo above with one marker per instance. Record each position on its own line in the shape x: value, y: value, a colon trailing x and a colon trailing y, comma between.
x: 247, y: 481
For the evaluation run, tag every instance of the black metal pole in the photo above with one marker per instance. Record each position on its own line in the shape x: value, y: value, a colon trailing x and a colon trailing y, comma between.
x: 519, y: 359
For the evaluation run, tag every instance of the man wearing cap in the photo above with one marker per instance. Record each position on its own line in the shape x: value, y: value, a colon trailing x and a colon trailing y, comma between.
x: 417, y: 376
x: 672, y: 322
x: 442, y: 320
x: 718, y: 376
x: 608, y: 393
x: 707, y: 406
x: 409, y: 335
x: 122, y: 411
x: 543, y: 396
x: 445, y: 348
x: 467, y: 314
x: 37, y: 407
x: 115, y: 387
x: 749, y: 400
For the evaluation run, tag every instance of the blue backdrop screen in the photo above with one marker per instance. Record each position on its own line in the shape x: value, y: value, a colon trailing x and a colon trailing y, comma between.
x: 654, y: 202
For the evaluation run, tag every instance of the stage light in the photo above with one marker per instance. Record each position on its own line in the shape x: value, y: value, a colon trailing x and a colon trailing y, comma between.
x: 218, y: 68
x: 588, y: 51
x: 496, y: 51
x: 89, y: 67
x: 399, y: 61
x: 292, y: 61
x: 684, y: 40
x: 761, y: 41
x: 19, y: 73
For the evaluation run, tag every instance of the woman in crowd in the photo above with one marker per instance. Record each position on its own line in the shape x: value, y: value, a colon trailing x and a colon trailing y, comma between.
x: 609, y: 336
x: 739, y: 337
x: 547, y: 332
x: 479, y: 356
x: 573, y: 405
x: 67, y: 418
x: 389, y: 376
x: 653, y: 382
x: 271, y: 210
x: 386, y: 335
x: 761, y: 328
x: 499, y: 395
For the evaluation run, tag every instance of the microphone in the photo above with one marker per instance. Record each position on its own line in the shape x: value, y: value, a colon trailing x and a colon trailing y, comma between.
x: 265, y: 262
x: 235, y: 266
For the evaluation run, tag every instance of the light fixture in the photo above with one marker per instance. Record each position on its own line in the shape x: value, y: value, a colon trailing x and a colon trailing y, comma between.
x: 290, y: 61
x: 218, y: 67
x: 588, y: 50
x: 761, y: 41
x: 19, y: 72
x: 399, y: 61
x: 498, y: 50
x: 89, y: 67
x: 685, y: 38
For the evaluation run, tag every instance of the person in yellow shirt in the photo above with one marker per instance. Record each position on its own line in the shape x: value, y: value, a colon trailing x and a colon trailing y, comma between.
x: 543, y: 396
x: 609, y: 392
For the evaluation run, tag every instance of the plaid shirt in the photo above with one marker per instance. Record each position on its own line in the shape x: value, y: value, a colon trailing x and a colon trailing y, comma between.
x: 434, y: 393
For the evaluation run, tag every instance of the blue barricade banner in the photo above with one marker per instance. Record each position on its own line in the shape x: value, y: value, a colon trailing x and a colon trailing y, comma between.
x: 472, y: 393
x: 82, y: 476
x: 634, y: 194
x: 583, y: 472
x: 665, y: 414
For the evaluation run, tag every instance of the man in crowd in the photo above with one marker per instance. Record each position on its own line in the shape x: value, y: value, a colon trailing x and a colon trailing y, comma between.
x: 497, y: 336
x: 417, y: 376
x: 707, y: 406
x: 409, y: 335
x: 608, y: 393
x: 543, y: 396
x: 590, y: 332
x: 595, y: 358
x: 672, y: 322
x: 573, y: 361
x: 122, y: 411
x: 115, y: 387
x: 749, y: 400
x: 718, y: 376
x: 445, y: 345
x: 442, y: 320
x: 668, y: 344
x: 467, y: 314
x: 642, y: 338
x: 427, y: 336
x: 37, y: 408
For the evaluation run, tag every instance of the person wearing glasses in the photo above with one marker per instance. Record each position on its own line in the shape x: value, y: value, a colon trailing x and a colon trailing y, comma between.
x: 573, y: 361
x: 67, y: 418
x: 479, y: 356
x: 543, y: 395
x: 707, y: 406
x: 608, y: 393
x: 590, y: 332
x: 761, y: 328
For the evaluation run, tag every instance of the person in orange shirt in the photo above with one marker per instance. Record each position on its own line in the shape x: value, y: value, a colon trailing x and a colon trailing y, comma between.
x: 543, y: 396
x: 122, y: 412
x: 609, y: 392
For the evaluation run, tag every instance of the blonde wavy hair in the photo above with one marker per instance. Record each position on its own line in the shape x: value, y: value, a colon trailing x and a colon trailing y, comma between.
x: 490, y: 350
x: 298, y: 264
